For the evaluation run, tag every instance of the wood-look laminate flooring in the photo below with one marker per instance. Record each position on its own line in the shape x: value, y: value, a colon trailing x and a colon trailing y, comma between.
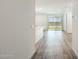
x: 53, y: 47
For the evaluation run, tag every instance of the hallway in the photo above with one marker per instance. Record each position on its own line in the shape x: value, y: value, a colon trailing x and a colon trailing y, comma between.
x: 39, y: 29
x: 54, y: 47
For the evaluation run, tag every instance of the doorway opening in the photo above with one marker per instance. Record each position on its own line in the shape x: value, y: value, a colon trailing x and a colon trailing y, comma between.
x: 55, y: 23
x: 53, y: 29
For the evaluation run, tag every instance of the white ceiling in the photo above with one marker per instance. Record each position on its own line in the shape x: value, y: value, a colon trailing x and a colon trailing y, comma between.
x: 51, y: 6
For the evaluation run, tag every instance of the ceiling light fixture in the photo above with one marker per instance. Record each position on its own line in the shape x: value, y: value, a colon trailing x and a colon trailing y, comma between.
x: 38, y: 9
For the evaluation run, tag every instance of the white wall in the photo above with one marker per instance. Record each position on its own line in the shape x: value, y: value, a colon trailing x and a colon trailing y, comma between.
x: 41, y: 20
x: 16, y: 35
x: 38, y: 33
x: 71, y: 25
x: 67, y: 22
x: 41, y: 25
x: 75, y: 27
